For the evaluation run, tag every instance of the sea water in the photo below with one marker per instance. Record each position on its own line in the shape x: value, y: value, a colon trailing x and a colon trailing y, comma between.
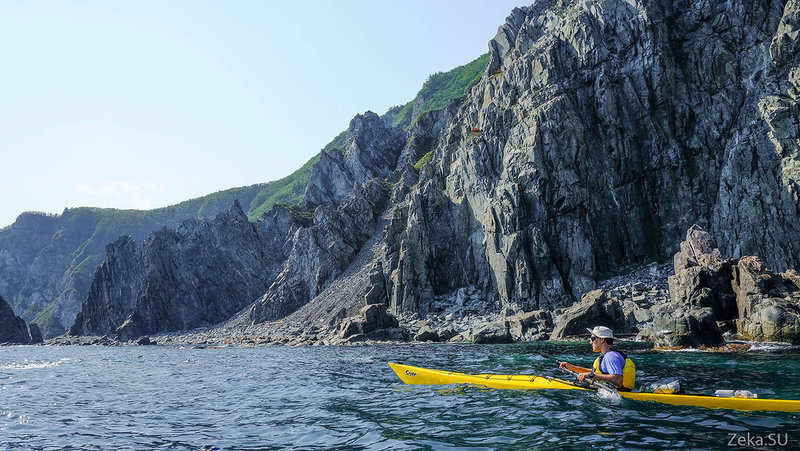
x: 143, y: 398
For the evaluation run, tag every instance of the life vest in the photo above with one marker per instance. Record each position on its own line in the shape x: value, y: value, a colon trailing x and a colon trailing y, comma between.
x: 628, y: 371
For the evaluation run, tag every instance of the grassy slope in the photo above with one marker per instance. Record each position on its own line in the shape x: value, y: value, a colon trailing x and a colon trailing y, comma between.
x: 441, y: 88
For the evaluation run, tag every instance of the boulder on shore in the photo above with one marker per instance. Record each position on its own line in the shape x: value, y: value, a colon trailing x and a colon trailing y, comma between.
x: 525, y: 326
x: 710, y: 295
x: 594, y: 309
x: 372, y: 322
x: 768, y: 303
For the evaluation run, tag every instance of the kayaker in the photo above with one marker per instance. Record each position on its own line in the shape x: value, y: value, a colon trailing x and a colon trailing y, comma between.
x: 612, y: 366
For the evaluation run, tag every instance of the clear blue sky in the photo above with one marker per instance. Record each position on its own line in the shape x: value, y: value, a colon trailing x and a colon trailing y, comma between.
x: 142, y: 104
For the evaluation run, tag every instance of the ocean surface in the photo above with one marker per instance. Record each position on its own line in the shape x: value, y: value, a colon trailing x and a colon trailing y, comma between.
x: 144, y: 398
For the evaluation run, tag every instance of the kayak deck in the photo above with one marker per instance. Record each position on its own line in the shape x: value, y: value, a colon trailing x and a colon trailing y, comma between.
x: 424, y: 376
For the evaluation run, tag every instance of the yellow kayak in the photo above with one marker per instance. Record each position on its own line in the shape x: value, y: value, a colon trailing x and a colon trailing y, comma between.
x: 424, y: 376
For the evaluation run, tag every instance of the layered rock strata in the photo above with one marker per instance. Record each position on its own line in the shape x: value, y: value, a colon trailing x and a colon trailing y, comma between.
x: 321, y: 252
x: 347, y: 190
x: 600, y: 132
x: 198, y: 275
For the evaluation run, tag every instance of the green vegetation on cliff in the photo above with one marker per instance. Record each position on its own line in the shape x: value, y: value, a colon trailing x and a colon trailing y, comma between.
x: 337, y: 143
x: 288, y: 190
x: 441, y: 88
x: 425, y: 158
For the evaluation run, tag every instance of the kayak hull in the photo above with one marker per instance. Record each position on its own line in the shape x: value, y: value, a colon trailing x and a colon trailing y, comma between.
x: 424, y: 376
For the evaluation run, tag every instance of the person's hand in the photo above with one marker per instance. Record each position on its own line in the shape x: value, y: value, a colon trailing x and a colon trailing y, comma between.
x: 582, y: 376
x: 563, y: 366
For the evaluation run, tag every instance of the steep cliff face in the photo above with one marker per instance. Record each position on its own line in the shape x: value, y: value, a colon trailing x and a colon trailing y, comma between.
x: 321, y: 252
x: 351, y: 190
x: 13, y: 329
x: 206, y: 271
x: 47, y: 261
x: 371, y: 151
x: 49, y: 279
x: 198, y: 275
x: 600, y: 132
x: 22, y: 278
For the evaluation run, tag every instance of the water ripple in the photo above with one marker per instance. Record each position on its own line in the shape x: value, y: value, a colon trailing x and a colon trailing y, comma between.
x: 348, y: 398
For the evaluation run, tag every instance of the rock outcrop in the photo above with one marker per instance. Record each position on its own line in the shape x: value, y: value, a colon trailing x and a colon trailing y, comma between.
x: 347, y: 191
x: 47, y: 261
x: 768, y: 303
x: 527, y: 326
x: 596, y: 308
x: 198, y: 275
x: 711, y: 295
x: 371, y: 151
x: 372, y: 322
x: 13, y: 329
x: 321, y: 252
x: 600, y: 132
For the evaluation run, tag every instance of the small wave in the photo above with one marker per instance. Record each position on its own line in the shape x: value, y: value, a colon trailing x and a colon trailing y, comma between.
x: 770, y: 346
x: 31, y: 366
x: 680, y: 349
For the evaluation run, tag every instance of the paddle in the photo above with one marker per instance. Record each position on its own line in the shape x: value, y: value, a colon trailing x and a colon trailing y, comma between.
x: 603, y: 388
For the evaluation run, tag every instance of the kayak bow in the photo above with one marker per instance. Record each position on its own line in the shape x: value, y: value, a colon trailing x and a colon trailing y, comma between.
x: 424, y: 376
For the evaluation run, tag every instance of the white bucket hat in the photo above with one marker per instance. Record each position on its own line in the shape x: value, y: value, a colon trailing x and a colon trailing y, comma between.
x: 601, y: 332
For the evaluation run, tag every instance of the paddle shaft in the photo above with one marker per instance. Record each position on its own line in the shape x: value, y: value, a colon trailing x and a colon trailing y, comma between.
x: 600, y: 385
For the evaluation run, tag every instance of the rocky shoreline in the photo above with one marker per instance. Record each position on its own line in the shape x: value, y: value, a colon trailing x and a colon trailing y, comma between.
x: 469, y: 318
x: 658, y: 303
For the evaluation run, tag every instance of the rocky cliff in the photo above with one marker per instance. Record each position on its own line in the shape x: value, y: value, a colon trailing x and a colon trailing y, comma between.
x: 709, y: 297
x: 347, y: 191
x: 599, y: 133
x: 14, y: 330
x: 47, y: 261
x: 198, y: 275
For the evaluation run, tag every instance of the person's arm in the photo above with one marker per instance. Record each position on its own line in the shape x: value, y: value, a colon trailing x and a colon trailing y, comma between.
x: 575, y: 368
x: 584, y: 373
x: 615, y: 379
